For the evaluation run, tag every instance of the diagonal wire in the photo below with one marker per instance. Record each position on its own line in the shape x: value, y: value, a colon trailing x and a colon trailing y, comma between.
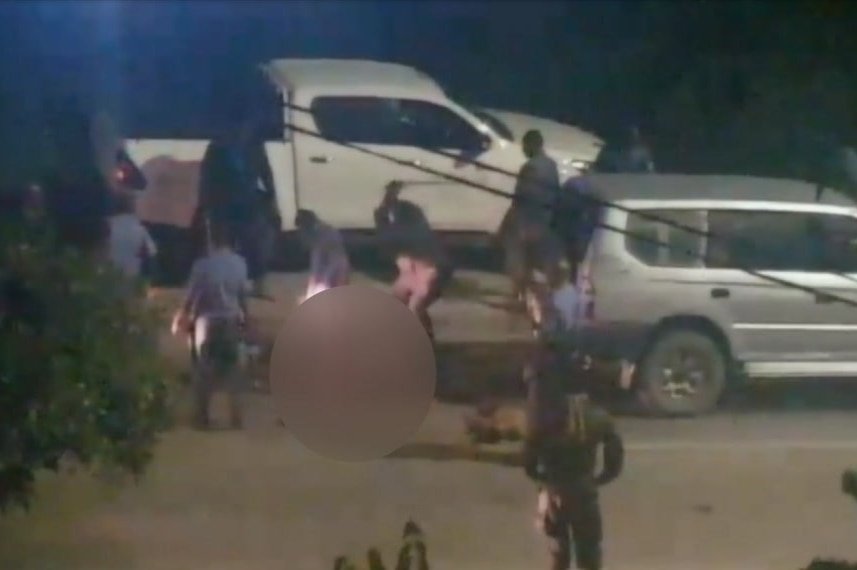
x: 586, y: 197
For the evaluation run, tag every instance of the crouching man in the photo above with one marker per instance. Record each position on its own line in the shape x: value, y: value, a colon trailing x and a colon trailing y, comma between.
x: 423, y: 267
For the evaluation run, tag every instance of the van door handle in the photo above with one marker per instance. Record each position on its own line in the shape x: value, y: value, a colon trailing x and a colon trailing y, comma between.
x: 415, y: 162
x: 720, y: 293
x: 824, y: 298
x: 320, y: 159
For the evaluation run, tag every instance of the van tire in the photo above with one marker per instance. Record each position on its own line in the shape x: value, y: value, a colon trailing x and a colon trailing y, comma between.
x: 707, y: 385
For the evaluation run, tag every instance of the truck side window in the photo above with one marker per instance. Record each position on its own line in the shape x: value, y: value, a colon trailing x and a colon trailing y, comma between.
x: 435, y: 127
x: 840, y: 243
x: 357, y: 120
x: 763, y: 241
x: 662, y: 244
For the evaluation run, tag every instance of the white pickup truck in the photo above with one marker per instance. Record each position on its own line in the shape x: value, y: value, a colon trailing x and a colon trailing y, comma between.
x: 406, y: 121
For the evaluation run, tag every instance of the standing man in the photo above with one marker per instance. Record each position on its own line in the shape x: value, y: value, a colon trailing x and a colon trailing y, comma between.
x: 132, y: 249
x: 213, y: 312
x: 423, y: 267
x: 237, y: 191
x: 329, y: 265
x: 528, y: 240
x: 639, y: 157
x: 560, y: 456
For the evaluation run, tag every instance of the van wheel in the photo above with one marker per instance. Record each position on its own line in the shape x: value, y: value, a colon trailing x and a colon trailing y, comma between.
x: 682, y: 374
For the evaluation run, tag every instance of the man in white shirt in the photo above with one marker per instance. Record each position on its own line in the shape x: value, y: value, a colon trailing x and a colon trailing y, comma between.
x: 213, y: 313
x: 131, y: 246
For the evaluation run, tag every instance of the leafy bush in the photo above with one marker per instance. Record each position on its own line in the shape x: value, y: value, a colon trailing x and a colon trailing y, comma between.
x: 80, y: 375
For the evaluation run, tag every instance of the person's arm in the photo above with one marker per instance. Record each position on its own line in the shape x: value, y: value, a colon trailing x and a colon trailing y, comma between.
x: 266, y: 176
x: 244, y: 289
x: 523, y: 183
x: 614, y: 454
x: 193, y: 284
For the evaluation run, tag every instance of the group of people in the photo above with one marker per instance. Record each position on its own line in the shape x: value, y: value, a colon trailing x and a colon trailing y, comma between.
x: 563, y: 434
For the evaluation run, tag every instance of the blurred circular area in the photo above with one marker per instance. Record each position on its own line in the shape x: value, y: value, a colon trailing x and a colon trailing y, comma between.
x: 353, y: 373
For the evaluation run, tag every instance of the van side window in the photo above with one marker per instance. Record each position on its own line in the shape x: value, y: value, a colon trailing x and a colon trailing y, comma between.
x: 764, y: 241
x: 840, y: 243
x: 359, y: 120
x: 658, y: 242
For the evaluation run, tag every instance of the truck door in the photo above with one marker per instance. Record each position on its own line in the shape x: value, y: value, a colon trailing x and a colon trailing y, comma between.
x: 448, y: 147
x: 369, y: 141
x: 341, y: 147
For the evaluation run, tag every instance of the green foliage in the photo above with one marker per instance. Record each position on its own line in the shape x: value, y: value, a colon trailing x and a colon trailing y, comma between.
x: 80, y: 374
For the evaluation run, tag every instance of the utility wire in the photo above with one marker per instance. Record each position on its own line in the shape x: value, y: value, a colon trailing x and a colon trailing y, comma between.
x: 588, y: 197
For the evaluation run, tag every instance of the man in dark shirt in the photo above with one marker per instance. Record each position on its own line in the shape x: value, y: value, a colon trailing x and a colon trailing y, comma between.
x: 560, y: 453
x: 529, y: 243
x: 237, y: 192
x: 424, y: 269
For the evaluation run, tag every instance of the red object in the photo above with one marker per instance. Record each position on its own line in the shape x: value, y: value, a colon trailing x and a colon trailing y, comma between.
x: 128, y: 175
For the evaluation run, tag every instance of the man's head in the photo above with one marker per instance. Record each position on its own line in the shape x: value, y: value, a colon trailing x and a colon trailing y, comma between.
x: 393, y: 190
x: 533, y: 143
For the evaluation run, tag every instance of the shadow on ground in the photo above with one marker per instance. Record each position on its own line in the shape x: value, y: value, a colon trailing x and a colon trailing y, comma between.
x: 505, y: 456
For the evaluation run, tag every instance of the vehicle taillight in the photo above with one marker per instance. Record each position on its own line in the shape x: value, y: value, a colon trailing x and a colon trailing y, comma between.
x: 122, y: 173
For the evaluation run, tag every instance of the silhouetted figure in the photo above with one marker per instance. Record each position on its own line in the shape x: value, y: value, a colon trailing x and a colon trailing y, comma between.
x: 237, y: 192
x: 529, y: 242
x: 638, y: 156
x: 77, y: 196
x: 560, y: 456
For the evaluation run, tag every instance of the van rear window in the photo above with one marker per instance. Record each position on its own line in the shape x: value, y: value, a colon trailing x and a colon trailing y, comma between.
x: 652, y: 236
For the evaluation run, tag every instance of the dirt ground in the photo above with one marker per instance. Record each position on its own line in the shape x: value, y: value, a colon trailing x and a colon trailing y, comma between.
x: 257, y: 500
x: 719, y: 493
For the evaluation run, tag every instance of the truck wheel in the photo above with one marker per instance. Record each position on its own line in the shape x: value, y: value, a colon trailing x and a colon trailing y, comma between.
x: 682, y: 374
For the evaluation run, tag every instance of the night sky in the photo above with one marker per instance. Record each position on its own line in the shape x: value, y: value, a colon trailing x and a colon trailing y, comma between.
x: 164, y: 66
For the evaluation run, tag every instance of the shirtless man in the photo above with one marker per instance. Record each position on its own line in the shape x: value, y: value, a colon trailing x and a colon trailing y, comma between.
x: 422, y: 264
x: 329, y: 265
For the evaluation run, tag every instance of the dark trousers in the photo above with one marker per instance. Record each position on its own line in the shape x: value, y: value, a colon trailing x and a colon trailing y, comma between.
x: 216, y: 364
x: 577, y: 524
x: 255, y: 242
